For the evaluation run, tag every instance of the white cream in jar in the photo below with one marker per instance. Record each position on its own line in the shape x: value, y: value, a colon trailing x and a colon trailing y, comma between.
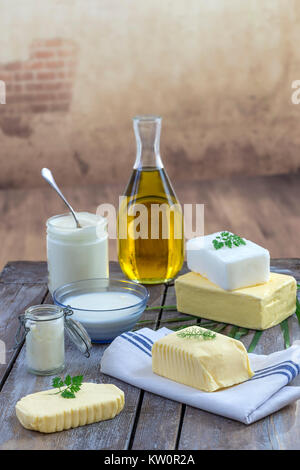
x: 76, y: 253
x: 45, y: 345
x: 43, y: 326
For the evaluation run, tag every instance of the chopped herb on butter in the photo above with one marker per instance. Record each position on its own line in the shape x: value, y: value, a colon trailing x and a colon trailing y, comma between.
x: 196, y: 333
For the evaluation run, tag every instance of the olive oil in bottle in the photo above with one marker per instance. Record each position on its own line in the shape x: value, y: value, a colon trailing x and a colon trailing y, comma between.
x: 150, y: 219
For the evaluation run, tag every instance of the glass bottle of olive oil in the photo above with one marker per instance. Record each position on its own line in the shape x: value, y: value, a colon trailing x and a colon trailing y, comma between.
x: 150, y: 219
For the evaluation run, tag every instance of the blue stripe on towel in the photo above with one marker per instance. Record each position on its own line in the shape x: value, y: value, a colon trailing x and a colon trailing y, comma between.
x: 273, y: 373
x: 140, y: 340
x: 146, y: 337
x: 279, y: 364
x: 285, y: 367
x: 282, y: 368
x: 135, y: 344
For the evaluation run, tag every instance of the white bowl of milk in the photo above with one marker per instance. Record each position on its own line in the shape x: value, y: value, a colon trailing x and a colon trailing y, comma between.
x: 105, y: 307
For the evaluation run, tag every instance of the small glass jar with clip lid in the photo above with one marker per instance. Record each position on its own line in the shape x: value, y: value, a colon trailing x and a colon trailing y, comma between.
x: 43, y: 327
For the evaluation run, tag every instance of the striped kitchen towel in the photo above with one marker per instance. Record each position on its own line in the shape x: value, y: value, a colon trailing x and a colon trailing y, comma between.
x: 128, y: 358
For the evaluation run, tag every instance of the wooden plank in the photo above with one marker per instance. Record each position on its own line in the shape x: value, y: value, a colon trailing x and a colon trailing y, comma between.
x: 290, y: 266
x: 285, y: 424
x: 113, y: 434
x: 14, y: 301
x: 24, y: 272
x: 21, y: 285
x: 158, y: 424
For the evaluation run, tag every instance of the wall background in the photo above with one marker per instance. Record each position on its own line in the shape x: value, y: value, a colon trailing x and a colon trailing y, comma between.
x: 219, y: 72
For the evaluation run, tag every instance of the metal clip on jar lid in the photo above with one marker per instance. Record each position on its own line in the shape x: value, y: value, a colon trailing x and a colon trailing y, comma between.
x: 47, y: 312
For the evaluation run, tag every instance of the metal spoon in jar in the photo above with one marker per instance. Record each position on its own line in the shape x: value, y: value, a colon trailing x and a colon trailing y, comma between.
x: 47, y: 175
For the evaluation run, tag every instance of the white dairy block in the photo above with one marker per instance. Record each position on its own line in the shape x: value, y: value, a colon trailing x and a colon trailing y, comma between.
x: 45, y: 347
x: 76, y: 253
x: 229, y: 268
x: 110, y: 318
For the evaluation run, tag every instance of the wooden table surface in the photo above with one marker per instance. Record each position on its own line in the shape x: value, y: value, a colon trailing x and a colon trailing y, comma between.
x: 148, y: 421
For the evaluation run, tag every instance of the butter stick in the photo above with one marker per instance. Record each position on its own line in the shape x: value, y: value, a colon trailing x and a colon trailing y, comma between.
x: 49, y: 412
x: 206, y: 364
x: 257, y: 307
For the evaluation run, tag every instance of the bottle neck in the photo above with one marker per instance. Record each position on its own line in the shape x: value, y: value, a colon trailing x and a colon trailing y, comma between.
x: 147, y: 134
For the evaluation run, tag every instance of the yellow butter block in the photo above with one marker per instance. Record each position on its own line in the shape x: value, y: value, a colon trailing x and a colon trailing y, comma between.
x: 257, y: 307
x: 49, y: 412
x: 206, y: 364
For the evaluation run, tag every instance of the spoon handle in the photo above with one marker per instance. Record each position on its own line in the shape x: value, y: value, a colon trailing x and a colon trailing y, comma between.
x: 47, y: 175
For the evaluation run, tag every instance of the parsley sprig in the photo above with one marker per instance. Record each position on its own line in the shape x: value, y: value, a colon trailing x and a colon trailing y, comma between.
x: 71, y: 384
x: 227, y: 239
x: 196, y: 333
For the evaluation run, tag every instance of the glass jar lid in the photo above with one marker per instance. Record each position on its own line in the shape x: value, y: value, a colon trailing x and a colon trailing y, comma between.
x: 43, y: 312
x: 77, y: 333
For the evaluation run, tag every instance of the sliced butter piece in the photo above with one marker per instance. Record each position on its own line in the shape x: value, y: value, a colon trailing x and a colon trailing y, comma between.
x: 205, y: 364
x: 257, y: 307
x: 49, y: 412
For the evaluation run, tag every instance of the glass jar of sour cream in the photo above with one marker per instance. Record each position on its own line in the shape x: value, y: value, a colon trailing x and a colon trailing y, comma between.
x: 76, y: 253
x: 45, y: 346
x: 43, y: 327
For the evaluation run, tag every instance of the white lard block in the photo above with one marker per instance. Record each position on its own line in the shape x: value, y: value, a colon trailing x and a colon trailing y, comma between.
x: 229, y: 268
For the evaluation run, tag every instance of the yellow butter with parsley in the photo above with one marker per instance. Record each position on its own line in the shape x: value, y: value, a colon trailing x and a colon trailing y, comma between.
x: 48, y: 411
x: 258, y: 307
x: 205, y: 363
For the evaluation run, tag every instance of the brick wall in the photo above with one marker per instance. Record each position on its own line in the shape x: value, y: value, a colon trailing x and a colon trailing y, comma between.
x: 41, y: 84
